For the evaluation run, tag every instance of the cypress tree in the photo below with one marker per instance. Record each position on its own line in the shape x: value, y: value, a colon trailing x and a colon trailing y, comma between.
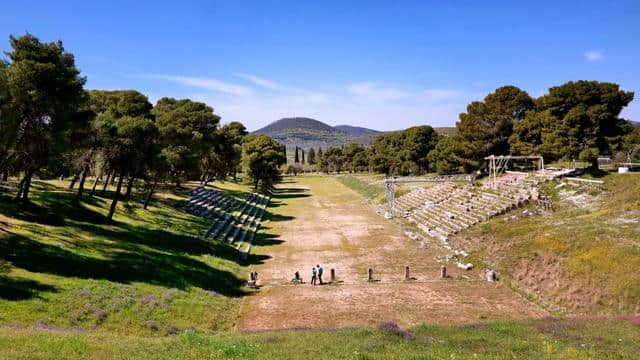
x: 296, y: 159
x: 311, y: 157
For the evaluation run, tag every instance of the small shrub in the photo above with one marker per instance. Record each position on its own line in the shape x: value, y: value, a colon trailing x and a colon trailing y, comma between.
x: 149, y: 300
x: 393, y: 328
x: 172, y: 330
x: 150, y: 324
x: 100, y: 315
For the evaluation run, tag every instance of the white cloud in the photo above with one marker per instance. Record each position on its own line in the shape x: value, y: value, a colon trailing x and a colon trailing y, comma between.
x: 267, y: 84
x: 206, y: 83
x: 369, y: 91
x: 364, y: 103
x: 593, y: 55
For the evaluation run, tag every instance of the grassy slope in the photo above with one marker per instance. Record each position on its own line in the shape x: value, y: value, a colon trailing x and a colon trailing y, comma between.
x: 67, y: 264
x: 577, y: 260
x: 363, y: 185
x: 70, y: 268
x: 542, y: 339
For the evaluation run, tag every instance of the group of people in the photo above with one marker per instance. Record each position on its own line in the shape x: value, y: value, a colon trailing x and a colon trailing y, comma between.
x: 316, y: 275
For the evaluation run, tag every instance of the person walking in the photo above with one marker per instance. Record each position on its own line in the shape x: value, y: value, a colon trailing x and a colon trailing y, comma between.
x: 319, y: 273
x: 313, y: 276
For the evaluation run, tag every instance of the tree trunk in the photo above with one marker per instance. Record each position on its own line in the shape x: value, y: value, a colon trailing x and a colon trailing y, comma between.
x: 127, y: 196
x: 95, y: 182
x: 20, y: 187
x: 116, y: 196
x: 73, y: 181
x: 113, y: 179
x: 83, y: 177
x: 5, y: 175
x: 26, y: 186
x: 106, y: 183
x: 153, y: 188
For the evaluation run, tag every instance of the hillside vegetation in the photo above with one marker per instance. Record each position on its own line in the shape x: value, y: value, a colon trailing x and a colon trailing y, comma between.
x: 146, y: 273
x: 540, y: 339
x: 582, y: 257
x: 310, y: 133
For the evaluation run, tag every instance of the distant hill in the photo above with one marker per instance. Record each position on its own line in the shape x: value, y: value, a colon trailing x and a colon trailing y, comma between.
x: 307, y: 133
x: 357, y: 131
x: 285, y: 124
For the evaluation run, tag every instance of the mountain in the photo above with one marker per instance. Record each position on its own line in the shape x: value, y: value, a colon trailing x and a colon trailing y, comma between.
x: 294, y: 123
x: 306, y: 133
x: 357, y: 131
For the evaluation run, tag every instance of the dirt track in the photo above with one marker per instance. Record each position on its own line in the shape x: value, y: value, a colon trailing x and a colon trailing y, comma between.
x: 318, y: 220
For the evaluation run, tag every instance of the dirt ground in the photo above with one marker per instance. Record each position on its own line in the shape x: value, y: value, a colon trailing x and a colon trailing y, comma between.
x: 317, y: 220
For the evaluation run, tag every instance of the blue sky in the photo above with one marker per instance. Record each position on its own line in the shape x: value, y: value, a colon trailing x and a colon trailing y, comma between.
x: 381, y: 64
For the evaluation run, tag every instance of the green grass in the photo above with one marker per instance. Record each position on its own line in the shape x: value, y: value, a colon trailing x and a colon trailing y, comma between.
x: 75, y: 286
x: 364, y: 186
x: 146, y: 273
x: 592, y: 253
x: 540, y: 339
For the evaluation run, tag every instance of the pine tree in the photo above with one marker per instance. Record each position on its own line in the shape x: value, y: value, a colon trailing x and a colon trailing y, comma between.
x: 311, y: 157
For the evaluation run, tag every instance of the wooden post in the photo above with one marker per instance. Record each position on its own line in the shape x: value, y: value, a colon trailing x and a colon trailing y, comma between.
x: 333, y: 275
x: 406, y: 273
x: 370, y: 274
x: 443, y: 271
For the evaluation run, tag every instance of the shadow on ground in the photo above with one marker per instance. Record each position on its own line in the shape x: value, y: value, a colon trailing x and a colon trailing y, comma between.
x: 22, y: 289
x: 68, y: 238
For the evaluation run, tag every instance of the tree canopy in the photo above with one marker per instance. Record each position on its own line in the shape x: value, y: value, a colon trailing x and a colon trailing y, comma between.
x: 261, y: 160
x: 581, y: 117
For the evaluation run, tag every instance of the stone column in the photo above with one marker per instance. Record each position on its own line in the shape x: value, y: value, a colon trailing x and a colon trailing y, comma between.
x: 333, y: 275
x: 370, y: 274
x: 443, y: 272
x: 406, y: 273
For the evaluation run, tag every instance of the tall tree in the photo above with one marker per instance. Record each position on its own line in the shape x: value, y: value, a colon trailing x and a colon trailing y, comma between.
x: 443, y: 158
x: 487, y: 125
x: 578, y: 119
x: 403, y: 152
x: 261, y: 160
x: 296, y: 159
x: 223, y: 159
x: 46, y: 91
x: 187, y: 131
x: 9, y: 124
x: 311, y: 157
x: 333, y: 160
x: 129, y: 146
x: 127, y: 135
x: 355, y: 159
